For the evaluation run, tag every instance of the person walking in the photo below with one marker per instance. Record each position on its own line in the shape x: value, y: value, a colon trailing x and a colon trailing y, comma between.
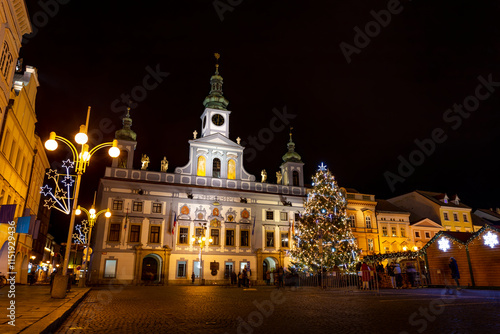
x: 193, y: 276
x: 365, y: 276
x: 412, y: 273
x: 392, y: 275
x: 455, y: 274
x: 240, y: 278
x: 233, y: 277
x: 399, y: 276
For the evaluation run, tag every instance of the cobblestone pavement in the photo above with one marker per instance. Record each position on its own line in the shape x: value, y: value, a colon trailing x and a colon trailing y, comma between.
x: 209, y: 309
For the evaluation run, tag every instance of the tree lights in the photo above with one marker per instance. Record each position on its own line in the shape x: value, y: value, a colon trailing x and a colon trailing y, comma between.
x: 323, y: 236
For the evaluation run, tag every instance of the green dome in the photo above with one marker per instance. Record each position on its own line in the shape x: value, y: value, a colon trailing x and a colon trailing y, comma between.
x: 291, y: 155
x: 126, y: 132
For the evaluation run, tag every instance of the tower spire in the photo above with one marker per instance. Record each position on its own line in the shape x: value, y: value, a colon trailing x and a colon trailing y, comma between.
x: 126, y: 133
x: 215, y: 99
x: 291, y: 155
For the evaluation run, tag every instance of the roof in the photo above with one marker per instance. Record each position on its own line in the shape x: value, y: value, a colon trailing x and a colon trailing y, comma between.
x: 490, y: 212
x: 386, y: 206
x: 351, y: 190
x: 460, y: 236
x: 436, y: 198
x: 478, y: 221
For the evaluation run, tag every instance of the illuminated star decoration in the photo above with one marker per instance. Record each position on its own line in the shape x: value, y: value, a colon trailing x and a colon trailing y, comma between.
x: 444, y: 244
x: 45, y: 190
x: 322, y: 167
x: 490, y: 239
x: 81, y: 236
x: 60, y: 199
x: 51, y: 174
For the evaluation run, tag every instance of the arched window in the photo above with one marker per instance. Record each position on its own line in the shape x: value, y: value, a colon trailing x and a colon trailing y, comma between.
x: 231, y: 169
x: 123, y: 159
x: 201, y: 170
x: 295, y: 176
x: 368, y: 221
x: 216, y: 168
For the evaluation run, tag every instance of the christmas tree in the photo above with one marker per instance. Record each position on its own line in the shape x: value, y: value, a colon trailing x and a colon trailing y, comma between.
x: 323, y: 236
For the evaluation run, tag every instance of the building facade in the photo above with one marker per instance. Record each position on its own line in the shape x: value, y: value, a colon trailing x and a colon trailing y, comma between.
x: 159, y: 216
x: 363, y: 221
x: 449, y: 212
x: 394, y: 228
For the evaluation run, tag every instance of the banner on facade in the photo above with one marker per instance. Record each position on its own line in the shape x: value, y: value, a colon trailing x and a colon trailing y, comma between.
x: 7, y: 212
x: 23, y: 224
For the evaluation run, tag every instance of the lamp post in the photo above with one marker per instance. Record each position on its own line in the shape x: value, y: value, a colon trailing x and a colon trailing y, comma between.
x: 202, y: 241
x: 92, y: 218
x: 81, y: 159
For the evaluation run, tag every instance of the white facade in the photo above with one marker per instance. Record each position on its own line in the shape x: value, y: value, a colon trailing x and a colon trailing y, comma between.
x: 250, y: 222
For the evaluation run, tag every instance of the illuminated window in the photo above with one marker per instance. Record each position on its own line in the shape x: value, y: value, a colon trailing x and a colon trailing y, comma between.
x: 202, y: 162
x: 284, y: 239
x: 183, y: 235
x: 384, y: 231
x: 394, y: 232
x: 137, y: 206
x: 403, y: 232
x: 270, y: 239
x: 181, y: 269
x: 368, y: 221
x: 370, y: 244
x: 231, y: 169
x: 352, y: 221
x: 110, y: 268
x: 284, y: 216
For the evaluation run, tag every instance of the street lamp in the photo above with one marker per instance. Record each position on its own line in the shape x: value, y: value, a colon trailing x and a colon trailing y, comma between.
x: 92, y: 218
x: 202, y: 241
x: 80, y: 160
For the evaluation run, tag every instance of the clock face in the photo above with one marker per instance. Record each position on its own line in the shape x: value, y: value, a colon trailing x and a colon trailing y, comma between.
x: 218, y: 119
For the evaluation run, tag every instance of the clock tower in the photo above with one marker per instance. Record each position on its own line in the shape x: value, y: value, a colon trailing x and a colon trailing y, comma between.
x: 215, y: 117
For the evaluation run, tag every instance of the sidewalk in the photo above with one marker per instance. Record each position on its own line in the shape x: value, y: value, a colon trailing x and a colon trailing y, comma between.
x: 35, y: 310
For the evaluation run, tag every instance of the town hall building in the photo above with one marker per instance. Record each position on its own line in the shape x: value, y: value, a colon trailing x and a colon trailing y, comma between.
x: 159, y: 217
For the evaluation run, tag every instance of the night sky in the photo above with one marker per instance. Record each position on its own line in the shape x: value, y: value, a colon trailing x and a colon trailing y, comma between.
x: 357, y: 117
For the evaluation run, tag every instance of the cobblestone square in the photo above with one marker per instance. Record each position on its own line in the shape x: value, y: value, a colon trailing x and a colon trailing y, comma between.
x: 215, y: 309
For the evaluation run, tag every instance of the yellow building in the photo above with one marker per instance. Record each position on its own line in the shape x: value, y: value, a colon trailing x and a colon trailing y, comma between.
x: 394, y: 228
x: 14, y: 23
x: 22, y: 163
x: 363, y: 221
x: 449, y: 212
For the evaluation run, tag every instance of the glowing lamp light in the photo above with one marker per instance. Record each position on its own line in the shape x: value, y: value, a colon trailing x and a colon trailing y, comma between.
x: 415, y: 248
x: 444, y: 244
x: 107, y: 214
x: 114, y: 151
x: 92, y: 211
x: 405, y: 248
x: 81, y: 137
x: 490, y: 239
x: 51, y: 143
x: 78, y: 211
x: 85, y: 155
x: 203, y: 239
x: 210, y: 240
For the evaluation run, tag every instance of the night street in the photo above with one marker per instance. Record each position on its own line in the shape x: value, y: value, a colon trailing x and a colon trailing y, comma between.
x: 184, y: 309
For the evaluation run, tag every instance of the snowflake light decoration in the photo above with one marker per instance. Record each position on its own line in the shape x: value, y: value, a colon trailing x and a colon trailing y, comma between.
x: 322, y: 167
x: 490, y: 239
x: 444, y: 244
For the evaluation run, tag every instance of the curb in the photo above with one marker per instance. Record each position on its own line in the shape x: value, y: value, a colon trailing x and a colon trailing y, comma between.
x: 51, y: 322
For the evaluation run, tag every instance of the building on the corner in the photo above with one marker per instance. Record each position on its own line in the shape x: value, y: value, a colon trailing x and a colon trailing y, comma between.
x: 394, y: 228
x: 156, y: 213
x: 449, y: 212
x: 23, y: 163
x: 363, y: 220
